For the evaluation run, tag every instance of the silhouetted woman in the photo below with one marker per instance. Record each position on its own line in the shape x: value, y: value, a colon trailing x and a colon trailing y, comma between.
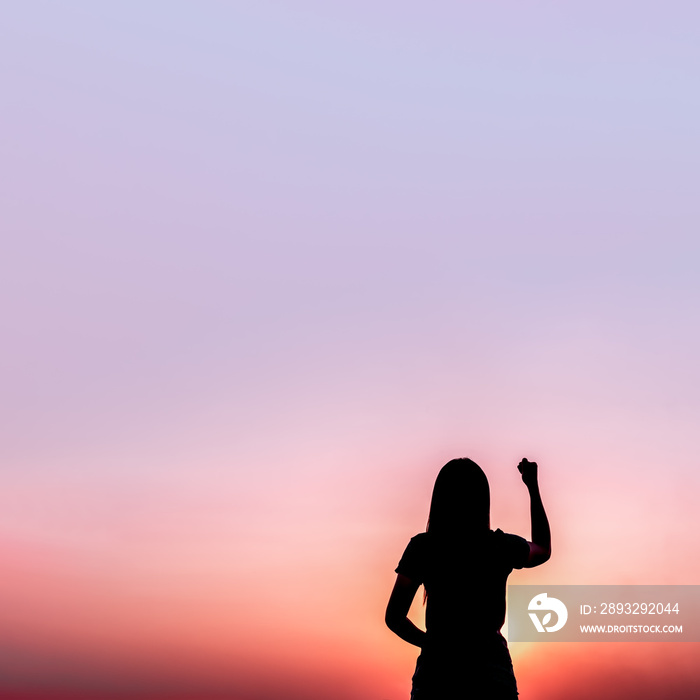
x: 463, y: 565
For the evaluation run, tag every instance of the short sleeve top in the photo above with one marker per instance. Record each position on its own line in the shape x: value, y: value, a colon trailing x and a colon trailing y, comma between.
x: 465, y: 581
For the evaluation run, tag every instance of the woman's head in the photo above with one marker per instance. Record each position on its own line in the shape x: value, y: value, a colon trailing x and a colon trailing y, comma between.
x: 461, y: 499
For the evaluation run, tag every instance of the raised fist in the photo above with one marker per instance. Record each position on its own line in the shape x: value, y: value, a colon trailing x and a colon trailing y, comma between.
x: 528, y: 471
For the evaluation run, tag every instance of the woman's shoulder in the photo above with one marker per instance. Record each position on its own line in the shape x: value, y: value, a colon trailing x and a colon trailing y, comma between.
x: 514, y: 547
x: 419, y: 543
x: 499, y: 534
x: 505, y: 537
x: 420, y: 537
x: 412, y: 562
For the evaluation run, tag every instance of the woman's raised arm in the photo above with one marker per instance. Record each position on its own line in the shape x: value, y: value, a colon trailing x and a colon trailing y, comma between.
x: 541, y: 545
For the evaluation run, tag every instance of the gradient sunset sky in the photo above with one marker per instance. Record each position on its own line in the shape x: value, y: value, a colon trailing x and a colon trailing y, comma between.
x: 266, y: 266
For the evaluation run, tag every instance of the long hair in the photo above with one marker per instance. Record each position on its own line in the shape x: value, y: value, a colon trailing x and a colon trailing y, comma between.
x: 461, y: 501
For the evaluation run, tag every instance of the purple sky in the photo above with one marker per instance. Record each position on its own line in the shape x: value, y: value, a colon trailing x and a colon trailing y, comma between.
x: 266, y: 266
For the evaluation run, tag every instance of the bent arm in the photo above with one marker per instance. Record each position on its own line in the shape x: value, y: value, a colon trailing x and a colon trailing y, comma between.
x: 397, y: 611
x: 541, y: 545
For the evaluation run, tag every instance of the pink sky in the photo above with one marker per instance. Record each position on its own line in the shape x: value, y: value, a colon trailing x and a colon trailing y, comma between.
x: 267, y: 266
